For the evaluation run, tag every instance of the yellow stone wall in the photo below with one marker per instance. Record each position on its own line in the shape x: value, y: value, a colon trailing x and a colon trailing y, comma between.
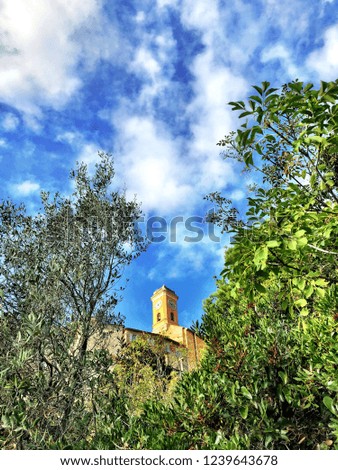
x: 183, y: 348
x: 110, y: 339
x: 164, y: 303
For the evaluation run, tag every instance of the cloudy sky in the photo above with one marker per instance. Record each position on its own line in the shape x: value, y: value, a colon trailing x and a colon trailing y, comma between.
x: 149, y: 82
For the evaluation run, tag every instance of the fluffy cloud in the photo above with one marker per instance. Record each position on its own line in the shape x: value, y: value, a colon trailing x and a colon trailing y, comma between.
x: 10, y: 122
x: 166, y: 172
x: 149, y: 164
x: 214, y: 85
x: 237, y: 195
x: 25, y: 188
x: 42, y: 44
x: 183, y: 258
x: 145, y: 62
x: 201, y: 15
x: 281, y: 53
x: 324, y: 60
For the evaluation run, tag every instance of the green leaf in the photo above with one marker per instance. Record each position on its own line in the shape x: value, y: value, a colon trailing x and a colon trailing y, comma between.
x: 272, y: 243
x: 287, y: 395
x: 261, y: 255
x: 302, y: 284
x: 246, y: 393
x: 328, y: 402
x: 304, y: 312
x: 256, y: 98
x: 236, y: 105
x: 292, y: 244
x: 265, y: 85
x: 302, y: 241
x: 6, y: 422
x: 299, y: 233
x: 333, y: 385
x: 244, y: 411
x: 283, y: 376
x: 315, y: 138
x: 308, y: 291
x: 301, y: 302
x: 299, y: 282
x: 313, y: 179
x: 321, y: 292
x: 257, y: 88
x: 245, y: 113
x: 268, y: 439
x: 327, y: 232
x: 260, y: 288
x: 248, y: 159
x: 321, y: 282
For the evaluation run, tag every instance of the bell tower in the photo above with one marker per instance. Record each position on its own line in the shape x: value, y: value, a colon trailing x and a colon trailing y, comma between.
x: 165, y: 313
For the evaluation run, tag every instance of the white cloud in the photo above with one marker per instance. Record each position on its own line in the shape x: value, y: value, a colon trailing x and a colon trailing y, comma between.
x: 324, y: 60
x: 214, y: 86
x: 140, y: 17
x: 152, y: 62
x: 10, y: 122
x: 145, y: 62
x: 211, y: 118
x: 183, y: 258
x: 69, y: 137
x: 281, y: 53
x: 215, y: 83
x: 167, y: 3
x: 25, y: 188
x: 201, y: 15
x: 232, y: 33
x: 167, y: 173
x: 237, y: 195
x: 89, y: 155
x: 149, y: 164
x: 42, y: 44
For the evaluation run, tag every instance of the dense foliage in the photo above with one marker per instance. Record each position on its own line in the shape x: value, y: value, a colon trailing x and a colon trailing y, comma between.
x: 142, y: 372
x: 59, y: 273
x: 269, y: 379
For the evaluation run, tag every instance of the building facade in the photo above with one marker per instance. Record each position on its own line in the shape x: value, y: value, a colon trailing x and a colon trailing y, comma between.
x: 165, y: 323
x: 182, y: 348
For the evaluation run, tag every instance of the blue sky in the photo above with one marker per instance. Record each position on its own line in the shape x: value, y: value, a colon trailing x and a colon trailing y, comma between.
x: 148, y: 81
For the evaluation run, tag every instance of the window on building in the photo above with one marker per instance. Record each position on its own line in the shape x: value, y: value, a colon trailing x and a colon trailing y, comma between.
x: 158, y: 317
x: 172, y: 316
x: 133, y: 337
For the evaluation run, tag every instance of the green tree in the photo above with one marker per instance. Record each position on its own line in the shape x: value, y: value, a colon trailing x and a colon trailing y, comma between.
x: 272, y: 325
x: 269, y: 379
x: 143, y: 373
x: 290, y: 138
x: 60, y: 276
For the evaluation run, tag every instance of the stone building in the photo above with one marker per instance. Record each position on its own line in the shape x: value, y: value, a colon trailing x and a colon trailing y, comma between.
x: 165, y: 323
x: 182, y: 348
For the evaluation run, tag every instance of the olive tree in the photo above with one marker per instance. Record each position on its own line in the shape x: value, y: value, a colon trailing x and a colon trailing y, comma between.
x: 60, y: 281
